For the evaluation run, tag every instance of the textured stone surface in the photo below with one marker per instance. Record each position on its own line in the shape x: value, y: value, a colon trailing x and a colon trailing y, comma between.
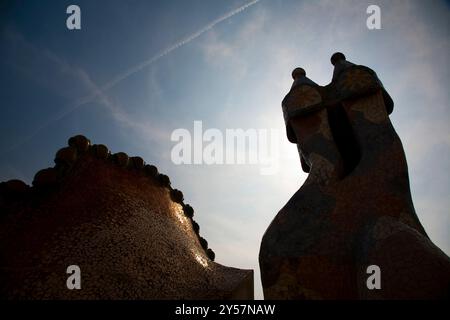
x: 355, y: 207
x: 118, y: 224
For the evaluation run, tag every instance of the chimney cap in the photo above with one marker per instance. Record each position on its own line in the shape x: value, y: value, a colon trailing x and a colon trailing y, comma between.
x: 336, y: 57
x: 298, y: 72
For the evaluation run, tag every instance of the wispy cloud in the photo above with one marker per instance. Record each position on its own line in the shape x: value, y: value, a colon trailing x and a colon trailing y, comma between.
x: 99, y: 93
x: 45, y: 62
x: 144, y: 64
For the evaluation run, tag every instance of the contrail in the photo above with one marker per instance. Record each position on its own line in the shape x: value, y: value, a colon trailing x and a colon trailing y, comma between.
x: 100, y: 92
x: 144, y: 64
x: 175, y: 46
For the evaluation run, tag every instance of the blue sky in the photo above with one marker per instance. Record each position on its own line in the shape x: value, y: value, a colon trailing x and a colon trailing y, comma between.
x: 230, y: 74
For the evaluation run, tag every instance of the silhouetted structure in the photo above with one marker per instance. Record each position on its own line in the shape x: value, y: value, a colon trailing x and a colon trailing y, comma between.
x: 355, y: 208
x: 120, y: 221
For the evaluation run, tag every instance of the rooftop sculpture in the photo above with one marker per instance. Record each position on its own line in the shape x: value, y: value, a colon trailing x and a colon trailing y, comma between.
x: 355, y: 209
x: 120, y: 221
